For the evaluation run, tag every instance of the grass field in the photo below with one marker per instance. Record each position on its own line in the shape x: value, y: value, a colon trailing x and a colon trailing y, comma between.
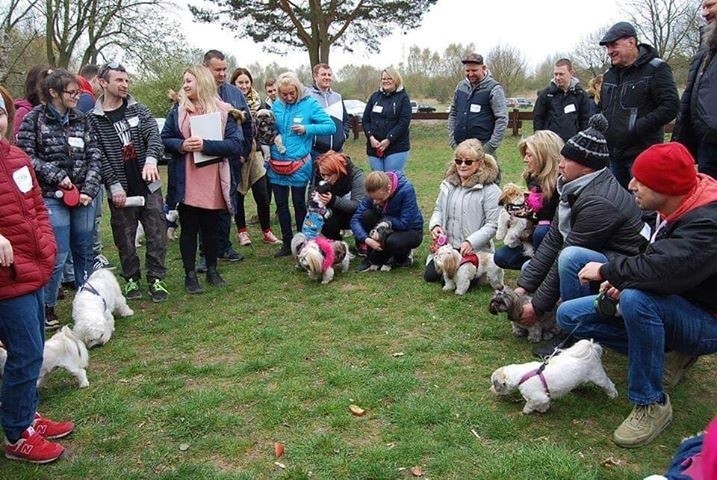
x: 202, y: 387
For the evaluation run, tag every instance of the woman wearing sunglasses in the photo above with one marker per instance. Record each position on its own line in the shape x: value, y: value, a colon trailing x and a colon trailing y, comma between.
x: 57, y: 138
x: 466, y: 212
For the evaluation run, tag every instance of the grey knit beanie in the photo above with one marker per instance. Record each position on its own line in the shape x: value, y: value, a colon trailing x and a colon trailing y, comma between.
x: 589, y: 147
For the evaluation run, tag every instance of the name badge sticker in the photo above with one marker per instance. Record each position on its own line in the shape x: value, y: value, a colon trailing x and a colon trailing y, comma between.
x: 133, y: 121
x: 23, y: 179
x: 377, y: 109
x: 297, y: 120
x: 569, y: 108
x: 475, y: 108
x: 76, y: 142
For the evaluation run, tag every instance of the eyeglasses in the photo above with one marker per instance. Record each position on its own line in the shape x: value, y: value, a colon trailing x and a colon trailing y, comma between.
x: 73, y: 93
x: 460, y: 161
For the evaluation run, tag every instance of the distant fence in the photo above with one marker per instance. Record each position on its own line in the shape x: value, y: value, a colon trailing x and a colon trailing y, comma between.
x: 515, y: 121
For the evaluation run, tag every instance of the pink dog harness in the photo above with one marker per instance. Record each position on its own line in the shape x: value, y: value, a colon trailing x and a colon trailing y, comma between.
x: 539, y: 373
x: 328, y: 250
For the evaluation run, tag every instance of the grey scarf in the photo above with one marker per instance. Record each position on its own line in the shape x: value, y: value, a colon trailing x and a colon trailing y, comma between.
x: 565, y: 190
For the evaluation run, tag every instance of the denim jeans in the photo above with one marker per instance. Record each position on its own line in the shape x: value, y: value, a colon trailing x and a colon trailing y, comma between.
x: 22, y: 321
x: 570, y: 261
x: 298, y: 198
x: 650, y: 324
x: 73, y: 229
x: 396, y: 162
x: 512, y: 258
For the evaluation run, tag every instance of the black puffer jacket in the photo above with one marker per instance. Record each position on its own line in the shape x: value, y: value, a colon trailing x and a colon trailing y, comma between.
x: 604, y: 218
x: 638, y: 101
x: 59, y: 151
x: 565, y: 113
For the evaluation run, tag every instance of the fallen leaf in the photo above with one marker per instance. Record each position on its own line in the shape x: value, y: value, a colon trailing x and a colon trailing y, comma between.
x: 356, y: 410
x: 416, y: 471
x: 279, y: 464
x: 611, y: 462
x: 278, y: 449
x: 183, y: 447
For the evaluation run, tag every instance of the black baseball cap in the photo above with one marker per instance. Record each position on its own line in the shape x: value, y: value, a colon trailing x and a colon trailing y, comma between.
x: 618, y: 31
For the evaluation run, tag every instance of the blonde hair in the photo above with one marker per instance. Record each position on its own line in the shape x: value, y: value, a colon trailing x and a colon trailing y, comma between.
x: 376, y: 181
x: 470, y: 149
x: 545, y: 147
x: 594, y: 87
x: 393, y: 73
x: 290, y: 79
x: 207, y: 97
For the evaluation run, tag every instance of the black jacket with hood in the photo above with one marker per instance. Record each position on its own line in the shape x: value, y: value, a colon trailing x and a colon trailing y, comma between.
x: 560, y: 111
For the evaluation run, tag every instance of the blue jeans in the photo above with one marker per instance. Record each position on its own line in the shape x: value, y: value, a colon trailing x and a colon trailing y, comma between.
x: 570, y: 261
x: 22, y: 321
x: 396, y: 162
x: 73, y: 229
x: 650, y: 323
x: 512, y: 258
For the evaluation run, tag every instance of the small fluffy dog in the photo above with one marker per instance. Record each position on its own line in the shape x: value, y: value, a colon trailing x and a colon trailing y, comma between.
x: 458, y: 271
x: 319, y: 257
x: 506, y: 300
x: 514, y: 230
x: 171, y: 218
x: 574, y: 366
x: 94, y: 305
x: 65, y: 350
x: 266, y: 132
x: 379, y: 233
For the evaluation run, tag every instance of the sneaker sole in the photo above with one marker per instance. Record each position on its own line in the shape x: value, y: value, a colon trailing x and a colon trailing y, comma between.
x: 39, y: 462
x: 159, y: 300
x: 645, y: 441
x: 55, y: 437
x: 133, y: 296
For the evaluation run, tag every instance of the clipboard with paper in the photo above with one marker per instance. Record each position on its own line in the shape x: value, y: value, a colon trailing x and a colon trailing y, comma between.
x: 207, y: 127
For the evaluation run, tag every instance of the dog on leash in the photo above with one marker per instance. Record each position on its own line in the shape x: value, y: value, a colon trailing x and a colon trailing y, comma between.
x: 574, y: 366
x: 65, y: 350
x: 94, y: 305
x: 319, y: 257
x: 514, y: 228
x: 266, y: 132
x: 458, y: 271
x: 506, y: 300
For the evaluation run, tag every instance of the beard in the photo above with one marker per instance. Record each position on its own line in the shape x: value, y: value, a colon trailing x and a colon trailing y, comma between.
x: 709, y: 36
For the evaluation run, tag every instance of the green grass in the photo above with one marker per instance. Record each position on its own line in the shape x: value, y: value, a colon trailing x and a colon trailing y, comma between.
x: 277, y: 358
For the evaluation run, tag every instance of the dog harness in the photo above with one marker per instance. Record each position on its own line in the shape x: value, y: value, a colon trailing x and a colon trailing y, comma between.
x: 470, y: 258
x: 88, y: 286
x: 328, y: 250
x: 538, y: 372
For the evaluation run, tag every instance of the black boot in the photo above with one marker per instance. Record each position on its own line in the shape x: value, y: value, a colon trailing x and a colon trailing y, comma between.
x: 213, y: 277
x: 191, y: 283
x: 284, y: 251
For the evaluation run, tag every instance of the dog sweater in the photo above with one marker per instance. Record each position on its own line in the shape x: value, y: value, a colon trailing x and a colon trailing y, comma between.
x: 328, y: 250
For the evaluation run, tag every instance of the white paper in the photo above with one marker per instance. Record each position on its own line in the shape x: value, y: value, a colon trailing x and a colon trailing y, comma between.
x: 206, y: 127
x: 135, y: 201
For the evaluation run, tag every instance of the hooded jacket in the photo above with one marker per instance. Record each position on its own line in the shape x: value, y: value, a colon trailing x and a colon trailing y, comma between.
x: 401, y: 208
x: 563, y: 112
x: 25, y: 224
x: 469, y: 212
x: 388, y: 115
x: 603, y: 218
x: 478, y: 112
x: 638, y: 101
x: 682, y: 259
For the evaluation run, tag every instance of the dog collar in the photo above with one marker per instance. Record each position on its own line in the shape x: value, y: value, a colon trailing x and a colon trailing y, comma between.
x: 538, y: 372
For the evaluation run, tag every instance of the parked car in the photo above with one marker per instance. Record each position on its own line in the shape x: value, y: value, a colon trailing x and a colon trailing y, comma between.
x: 355, y: 108
x: 518, y: 103
x: 421, y: 107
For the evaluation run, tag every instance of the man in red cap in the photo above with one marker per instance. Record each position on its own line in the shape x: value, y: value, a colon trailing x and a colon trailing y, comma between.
x: 665, y: 295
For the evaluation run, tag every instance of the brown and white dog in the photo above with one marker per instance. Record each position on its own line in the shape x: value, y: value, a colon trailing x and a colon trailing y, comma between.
x: 319, y: 257
x: 506, y: 300
x: 266, y: 132
x: 513, y: 229
x: 458, y: 271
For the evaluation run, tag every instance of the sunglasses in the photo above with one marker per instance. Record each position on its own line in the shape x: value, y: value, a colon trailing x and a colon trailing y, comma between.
x: 467, y: 163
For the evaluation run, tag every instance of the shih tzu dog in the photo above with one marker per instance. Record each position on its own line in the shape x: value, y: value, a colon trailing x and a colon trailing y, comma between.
x: 574, y: 366
x: 379, y: 233
x: 266, y: 132
x: 458, y: 271
x: 94, y: 305
x: 514, y: 228
x: 506, y: 300
x: 65, y: 350
x: 319, y: 257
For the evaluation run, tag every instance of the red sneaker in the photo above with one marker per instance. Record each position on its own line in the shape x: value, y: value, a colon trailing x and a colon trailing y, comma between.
x: 51, y: 429
x: 32, y: 447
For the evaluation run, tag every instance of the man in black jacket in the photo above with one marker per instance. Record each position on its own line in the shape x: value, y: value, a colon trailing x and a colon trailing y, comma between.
x: 696, y: 126
x: 666, y: 294
x: 563, y: 107
x: 596, y: 219
x: 638, y: 97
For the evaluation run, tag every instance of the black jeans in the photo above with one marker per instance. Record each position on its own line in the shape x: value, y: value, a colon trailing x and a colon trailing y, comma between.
x: 398, y: 244
x: 298, y: 198
x: 261, y: 197
x: 195, y: 220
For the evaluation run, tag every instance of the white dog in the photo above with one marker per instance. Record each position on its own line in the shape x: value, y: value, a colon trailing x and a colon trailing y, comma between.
x: 459, y: 271
x: 65, y: 350
x: 574, y: 366
x: 514, y: 230
x: 94, y: 305
x: 319, y: 257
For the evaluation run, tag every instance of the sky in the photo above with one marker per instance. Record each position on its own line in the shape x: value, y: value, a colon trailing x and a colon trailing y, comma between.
x: 537, y: 28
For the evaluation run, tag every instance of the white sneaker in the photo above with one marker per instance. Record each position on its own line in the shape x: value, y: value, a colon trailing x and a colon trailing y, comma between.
x: 244, y: 239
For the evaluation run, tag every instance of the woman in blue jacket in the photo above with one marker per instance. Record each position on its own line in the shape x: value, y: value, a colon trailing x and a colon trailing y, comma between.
x: 385, y: 121
x: 298, y: 118
x: 391, y: 200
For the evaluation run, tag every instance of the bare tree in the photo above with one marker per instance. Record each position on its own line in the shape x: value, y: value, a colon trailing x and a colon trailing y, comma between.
x: 17, y: 33
x: 589, y: 58
x: 508, y: 66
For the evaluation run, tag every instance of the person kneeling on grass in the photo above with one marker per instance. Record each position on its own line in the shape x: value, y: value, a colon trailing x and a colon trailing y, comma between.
x: 666, y: 294
x: 27, y: 261
x: 391, y: 200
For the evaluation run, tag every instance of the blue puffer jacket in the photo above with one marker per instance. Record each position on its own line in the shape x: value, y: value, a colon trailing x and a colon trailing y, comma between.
x: 401, y: 208
x: 307, y: 112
